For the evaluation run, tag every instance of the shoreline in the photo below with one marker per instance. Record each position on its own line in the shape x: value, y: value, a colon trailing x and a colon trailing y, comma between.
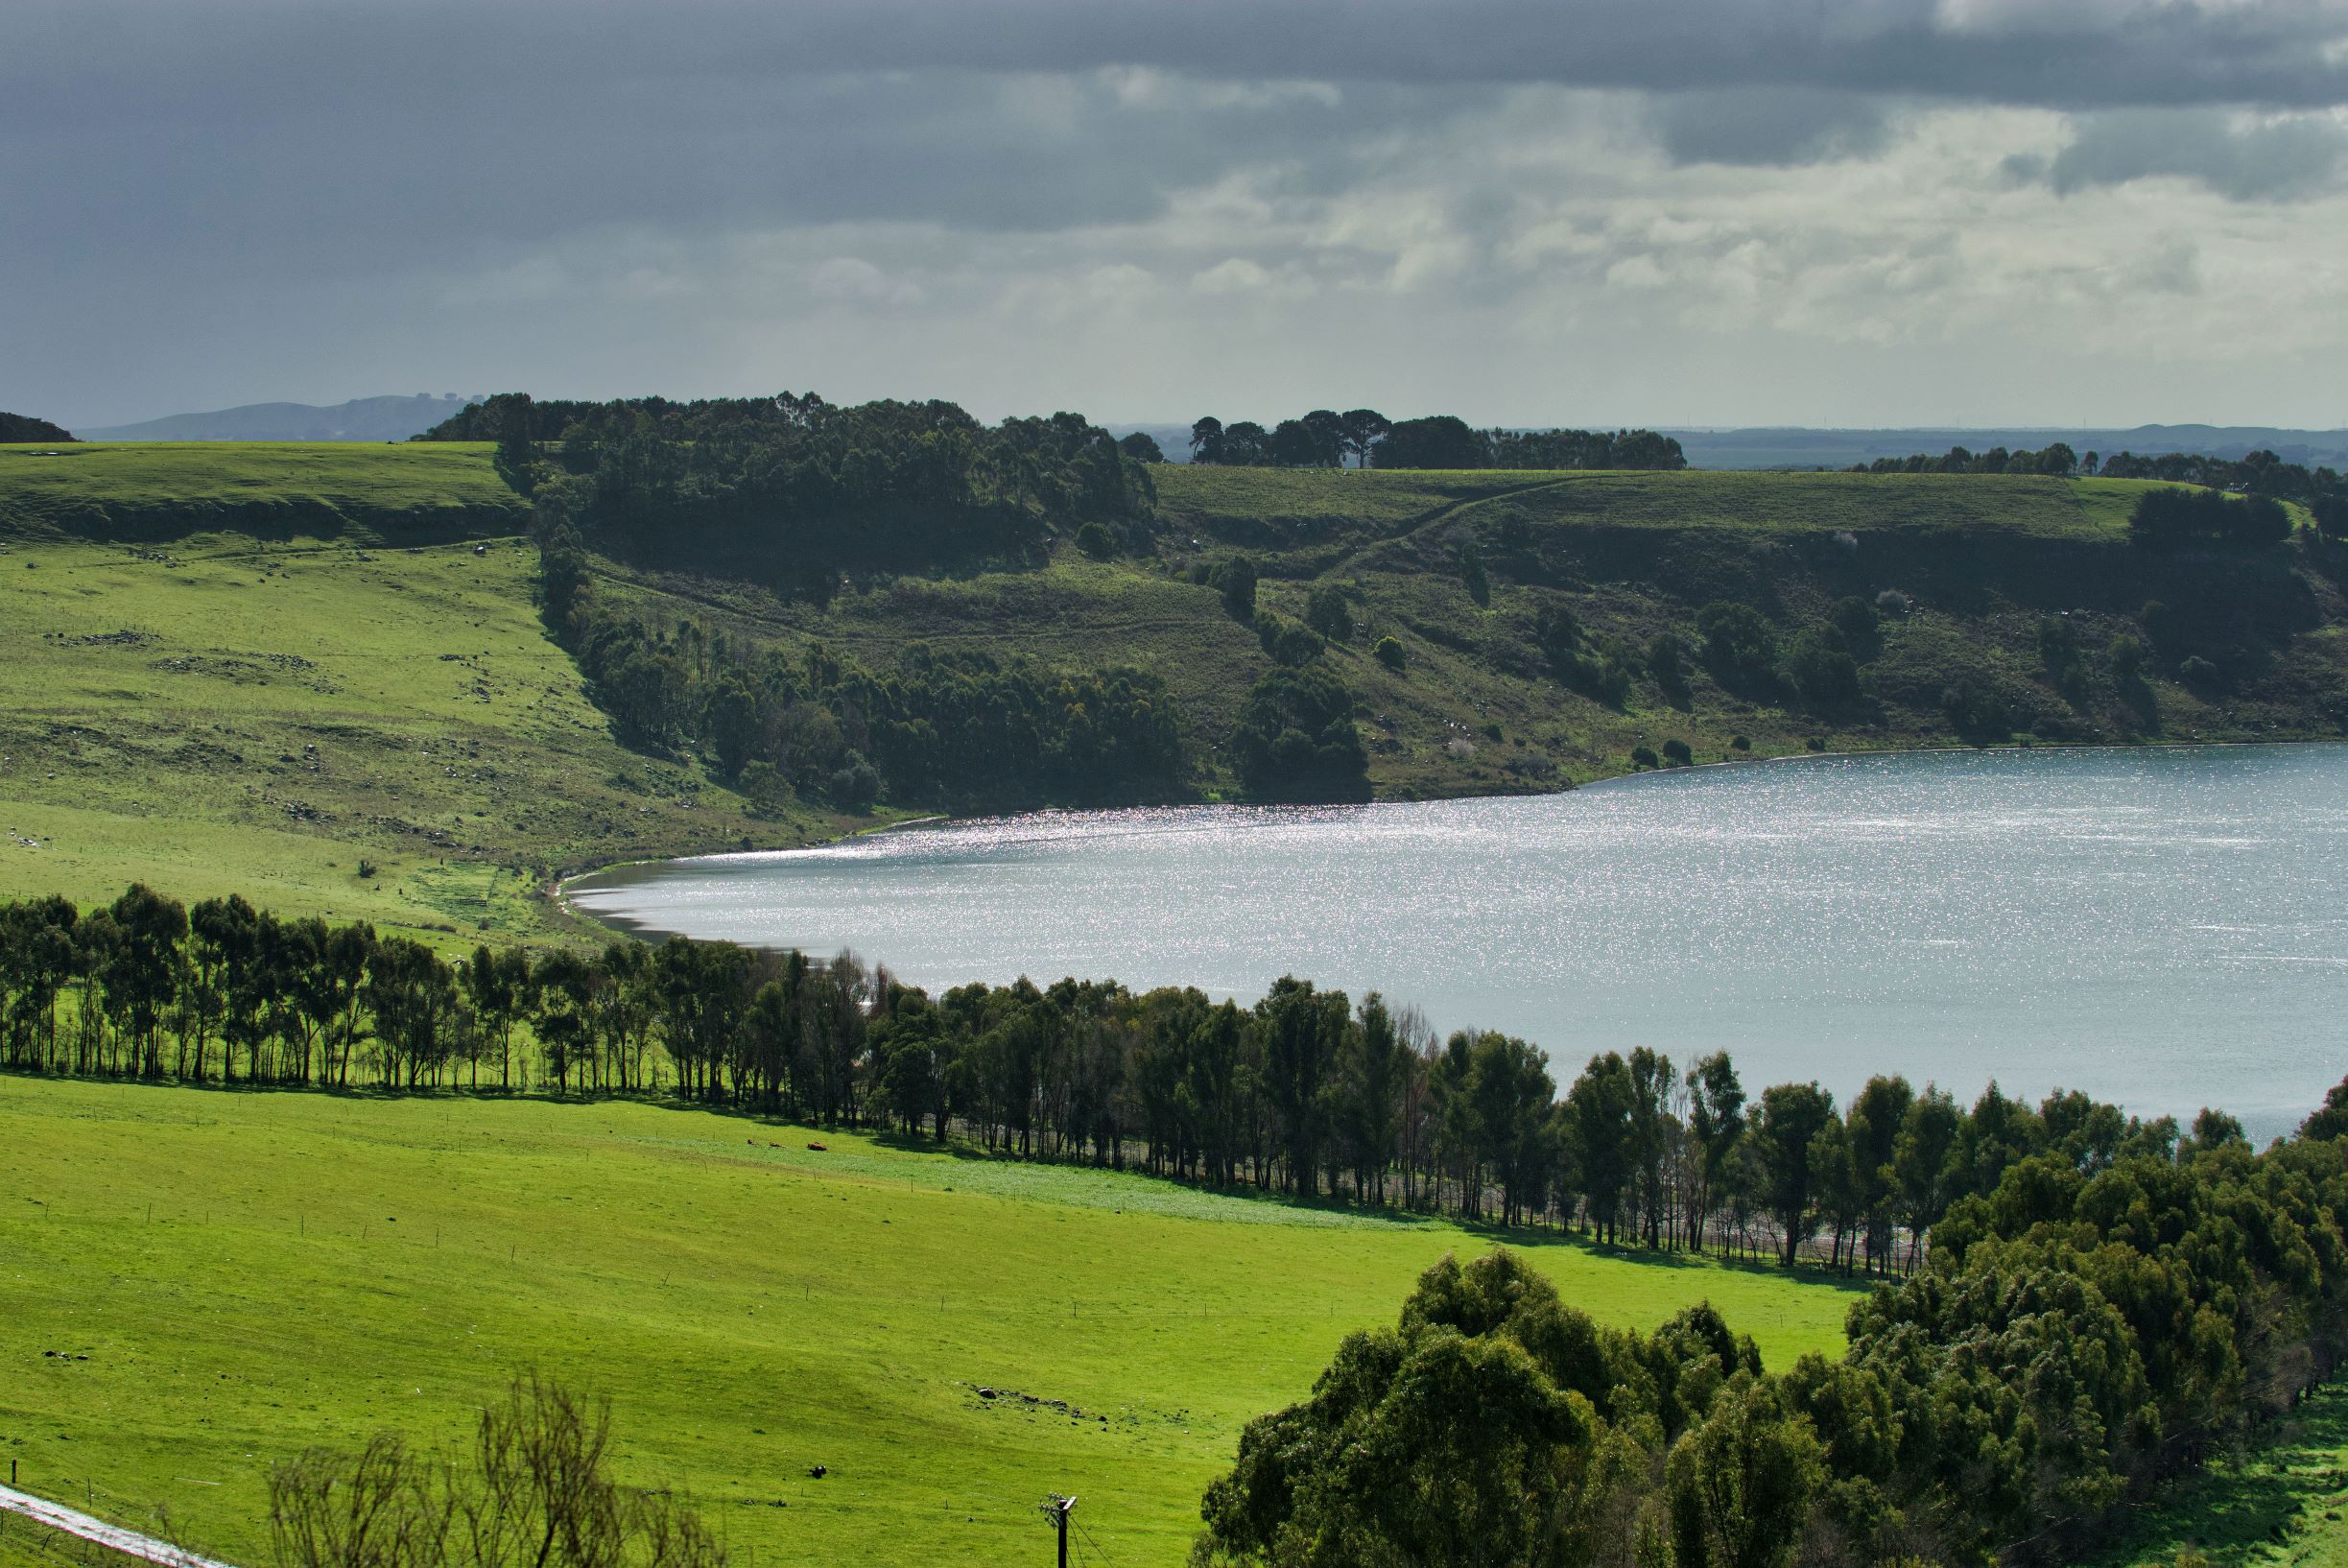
x: 559, y: 891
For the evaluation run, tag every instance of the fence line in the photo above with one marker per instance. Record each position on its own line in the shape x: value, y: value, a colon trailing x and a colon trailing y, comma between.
x: 129, y: 1542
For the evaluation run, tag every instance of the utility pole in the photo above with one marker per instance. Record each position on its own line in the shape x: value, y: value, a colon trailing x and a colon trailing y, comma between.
x: 1055, y: 1508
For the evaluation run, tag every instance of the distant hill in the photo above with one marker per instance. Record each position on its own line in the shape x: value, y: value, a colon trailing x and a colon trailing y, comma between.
x: 23, y: 427
x: 1796, y: 447
x: 361, y: 420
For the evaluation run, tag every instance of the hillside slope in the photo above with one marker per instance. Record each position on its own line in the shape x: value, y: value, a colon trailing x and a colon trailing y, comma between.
x: 212, y: 712
x: 1483, y: 706
x: 247, y: 668
x: 754, y: 1302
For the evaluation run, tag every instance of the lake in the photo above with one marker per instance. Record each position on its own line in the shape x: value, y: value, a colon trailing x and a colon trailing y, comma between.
x: 2161, y: 927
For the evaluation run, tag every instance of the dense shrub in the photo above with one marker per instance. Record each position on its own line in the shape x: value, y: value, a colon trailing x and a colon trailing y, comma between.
x: 1327, y: 613
x: 1296, y: 739
x: 2174, y: 516
x: 1740, y: 645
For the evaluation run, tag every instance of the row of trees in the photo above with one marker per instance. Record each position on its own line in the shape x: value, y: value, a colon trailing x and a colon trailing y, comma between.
x: 1326, y: 439
x: 796, y: 488
x: 2087, y: 1328
x: 2056, y: 460
x: 1305, y: 1092
x: 2323, y: 490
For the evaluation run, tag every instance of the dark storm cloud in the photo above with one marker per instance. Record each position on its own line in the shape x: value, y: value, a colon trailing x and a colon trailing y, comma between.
x: 1763, y: 126
x: 274, y: 172
x: 2245, y: 160
x: 2082, y: 54
x: 238, y: 133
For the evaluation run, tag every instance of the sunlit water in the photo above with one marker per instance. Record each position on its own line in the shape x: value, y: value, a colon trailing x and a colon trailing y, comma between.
x: 2165, y: 928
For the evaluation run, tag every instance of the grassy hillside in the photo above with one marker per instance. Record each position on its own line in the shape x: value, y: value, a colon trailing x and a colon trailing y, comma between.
x: 247, y: 1273
x: 222, y: 713
x: 1480, y: 708
x: 248, y: 667
x: 167, y: 489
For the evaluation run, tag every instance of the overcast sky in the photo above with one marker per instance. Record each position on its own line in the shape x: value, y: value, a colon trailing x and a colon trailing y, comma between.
x: 1524, y: 212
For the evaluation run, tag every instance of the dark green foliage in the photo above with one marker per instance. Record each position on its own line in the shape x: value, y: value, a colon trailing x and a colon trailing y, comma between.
x: 792, y: 488
x: 1391, y: 654
x: 854, y: 785
x: 2256, y: 473
x: 1141, y: 446
x: 1667, y: 660
x: 1095, y: 541
x: 1820, y: 667
x: 1327, y: 613
x: 1642, y: 757
x: 2100, y: 1312
x: 1324, y: 439
x: 2060, y: 654
x: 1296, y: 739
x: 1740, y: 743
x: 23, y: 427
x: 2057, y: 460
x: 1286, y: 642
x: 1586, y: 449
x: 953, y: 728
x: 1854, y: 617
x: 2167, y: 518
x: 1676, y: 752
x: 1976, y: 711
x: 1740, y: 645
x: 1472, y: 575
x: 1235, y: 579
x: 1437, y: 441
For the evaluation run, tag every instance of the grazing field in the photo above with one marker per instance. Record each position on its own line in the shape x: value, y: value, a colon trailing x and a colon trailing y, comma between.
x: 167, y: 489
x: 226, y: 715
x: 196, y: 1284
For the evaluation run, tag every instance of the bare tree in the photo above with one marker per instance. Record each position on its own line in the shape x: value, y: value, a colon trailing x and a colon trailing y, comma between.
x: 535, y: 1495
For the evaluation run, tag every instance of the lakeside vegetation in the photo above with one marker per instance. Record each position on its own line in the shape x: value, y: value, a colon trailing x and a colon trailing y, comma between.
x: 229, y: 680
x: 2081, y: 1335
x: 2102, y: 1305
x: 185, y: 622
x: 1304, y: 1093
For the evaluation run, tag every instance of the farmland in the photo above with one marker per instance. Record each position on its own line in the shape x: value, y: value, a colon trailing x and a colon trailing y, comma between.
x: 250, y: 1273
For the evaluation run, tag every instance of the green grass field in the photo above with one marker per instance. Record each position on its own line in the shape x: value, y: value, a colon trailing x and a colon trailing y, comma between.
x: 227, y: 714
x: 169, y: 489
x: 249, y: 1274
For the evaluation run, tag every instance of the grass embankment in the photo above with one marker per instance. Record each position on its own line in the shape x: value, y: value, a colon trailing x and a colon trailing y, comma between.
x: 219, y: 713
x: 247, y: 1273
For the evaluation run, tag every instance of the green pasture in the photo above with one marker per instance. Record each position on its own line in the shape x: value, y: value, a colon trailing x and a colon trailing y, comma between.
x: 225, y: 714
x: 170, y: 488
x: 250, y: 1273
